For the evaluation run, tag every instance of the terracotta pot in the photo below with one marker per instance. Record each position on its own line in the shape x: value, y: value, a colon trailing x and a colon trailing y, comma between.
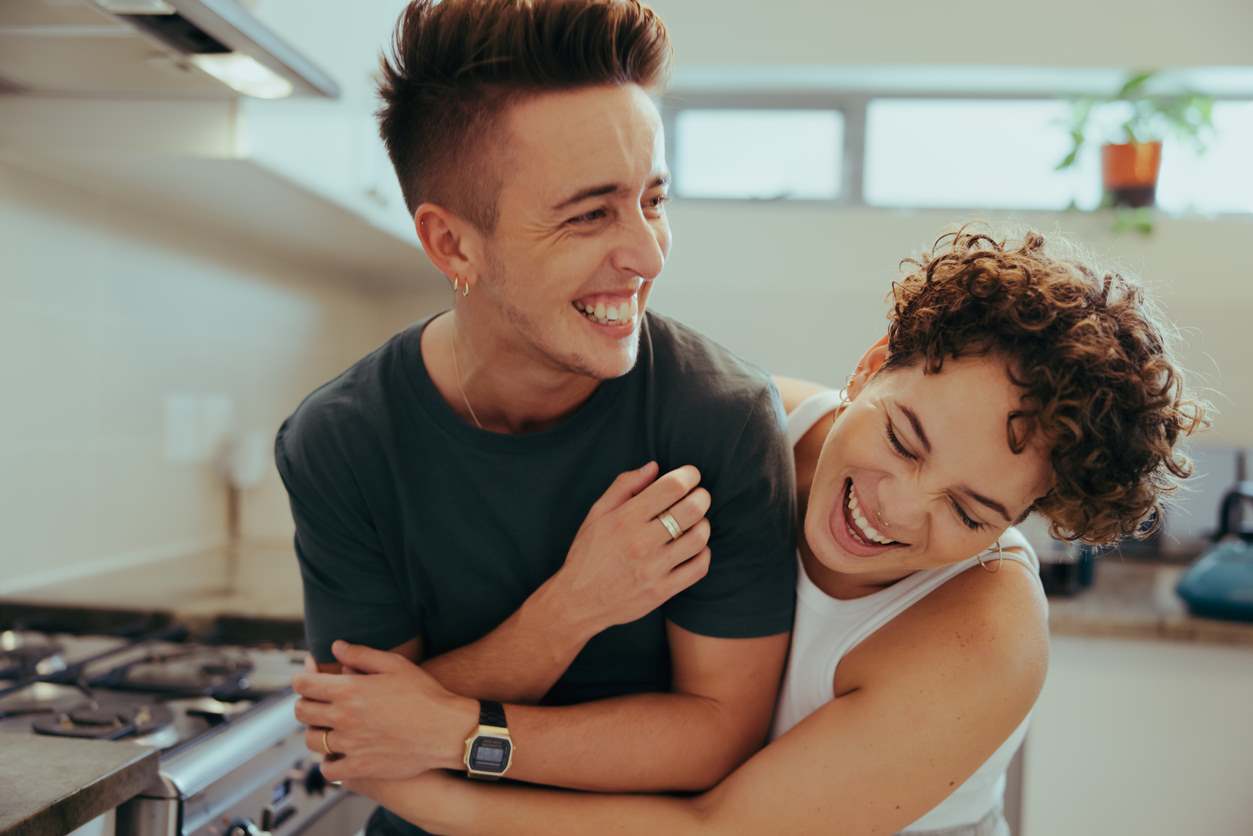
x: 1130, y: 172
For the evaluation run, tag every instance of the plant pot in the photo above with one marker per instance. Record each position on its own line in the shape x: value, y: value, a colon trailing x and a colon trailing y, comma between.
x: 1129, y: 173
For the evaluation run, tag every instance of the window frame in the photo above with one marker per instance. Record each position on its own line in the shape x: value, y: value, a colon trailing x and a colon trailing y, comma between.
x: 854, y: 107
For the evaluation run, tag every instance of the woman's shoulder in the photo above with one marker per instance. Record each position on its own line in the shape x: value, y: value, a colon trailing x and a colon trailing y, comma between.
x: 987, y: 627
x: 794, y: 391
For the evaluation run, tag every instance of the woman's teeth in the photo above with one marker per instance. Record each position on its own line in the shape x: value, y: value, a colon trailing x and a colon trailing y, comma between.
x: 863, y: 527
x: 623, y: 313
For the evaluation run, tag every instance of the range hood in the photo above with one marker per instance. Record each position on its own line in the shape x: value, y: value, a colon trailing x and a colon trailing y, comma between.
x: 166, y: 49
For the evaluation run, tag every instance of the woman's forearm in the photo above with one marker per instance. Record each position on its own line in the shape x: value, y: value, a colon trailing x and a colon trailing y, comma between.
x: 451, y: 805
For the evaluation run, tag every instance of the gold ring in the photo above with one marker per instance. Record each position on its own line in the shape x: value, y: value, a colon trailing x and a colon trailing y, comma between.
x: 326, y: 744
x: 671, y: 525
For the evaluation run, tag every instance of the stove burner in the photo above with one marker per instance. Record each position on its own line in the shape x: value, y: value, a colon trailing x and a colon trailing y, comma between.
x: 24, y: 655
x: 95, y: 722
x: 198, y: 671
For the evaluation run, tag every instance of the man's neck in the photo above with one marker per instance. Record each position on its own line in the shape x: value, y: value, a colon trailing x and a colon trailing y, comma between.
x: 508, y: 389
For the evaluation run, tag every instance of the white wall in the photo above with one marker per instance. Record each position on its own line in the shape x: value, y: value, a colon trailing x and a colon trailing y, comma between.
x: 801, y: 290
x: 104, y: 313
x: 1064, y: 33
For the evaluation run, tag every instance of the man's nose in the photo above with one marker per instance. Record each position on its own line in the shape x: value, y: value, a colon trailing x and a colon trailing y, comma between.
x: 640, y: 249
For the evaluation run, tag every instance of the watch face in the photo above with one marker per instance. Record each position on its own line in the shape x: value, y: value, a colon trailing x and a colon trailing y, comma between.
x: 489, y: 754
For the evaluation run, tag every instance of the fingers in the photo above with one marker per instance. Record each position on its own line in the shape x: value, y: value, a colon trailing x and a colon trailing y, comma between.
x: 341, y: 769
x: 314, y: 741
x: 624, y: 487
x: 689, y: 510
x: 686, y: 574
x: 689, y: 545
x: 366, y: 659
x: 323, y: 687
x: 664, y: 492
x: 314, y: 713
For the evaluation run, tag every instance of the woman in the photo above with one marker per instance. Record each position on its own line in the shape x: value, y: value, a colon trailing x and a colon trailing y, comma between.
x: 1008, y: 382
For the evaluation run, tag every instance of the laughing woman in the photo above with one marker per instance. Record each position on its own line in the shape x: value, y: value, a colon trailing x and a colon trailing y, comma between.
x: 1009, y: 382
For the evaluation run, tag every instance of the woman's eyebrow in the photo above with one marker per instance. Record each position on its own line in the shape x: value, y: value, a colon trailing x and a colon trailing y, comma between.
x: 916, y: 423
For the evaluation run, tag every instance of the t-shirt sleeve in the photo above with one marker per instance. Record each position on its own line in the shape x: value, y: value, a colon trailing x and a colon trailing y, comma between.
x: 750, y: 589
x: 350, y: 591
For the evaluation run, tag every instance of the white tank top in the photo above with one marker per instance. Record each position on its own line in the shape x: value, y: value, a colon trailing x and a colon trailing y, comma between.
x: 827, y: 628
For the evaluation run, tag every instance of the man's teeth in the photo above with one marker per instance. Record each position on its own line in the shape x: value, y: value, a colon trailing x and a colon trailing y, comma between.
x: 865, y: 529
x: 622, y: 313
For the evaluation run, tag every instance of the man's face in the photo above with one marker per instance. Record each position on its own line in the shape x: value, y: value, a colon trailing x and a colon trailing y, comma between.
x: 582, y: 230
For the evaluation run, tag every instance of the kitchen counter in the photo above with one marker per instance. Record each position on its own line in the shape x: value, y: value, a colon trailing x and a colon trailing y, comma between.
x: 260, y: 591
x: 50, y: 785
x: 1138, y: 601
x: 259, y: 585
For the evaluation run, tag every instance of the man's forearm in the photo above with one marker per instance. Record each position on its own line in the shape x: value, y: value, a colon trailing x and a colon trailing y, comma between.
x: 520, y: 660
x: 639, y: 743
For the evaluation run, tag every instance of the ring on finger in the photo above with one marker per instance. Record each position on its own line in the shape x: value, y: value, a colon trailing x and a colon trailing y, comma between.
x: 671, y: 525
x: 326, y: 743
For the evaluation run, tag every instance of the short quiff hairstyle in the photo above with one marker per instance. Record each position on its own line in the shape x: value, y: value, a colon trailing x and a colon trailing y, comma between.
x: 1101, y: 389
x: 456, y: 66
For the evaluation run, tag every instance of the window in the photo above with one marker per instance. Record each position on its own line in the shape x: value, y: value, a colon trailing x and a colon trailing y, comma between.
x: 907, y: 151
x: 761, y: 154
x: 972, y: 154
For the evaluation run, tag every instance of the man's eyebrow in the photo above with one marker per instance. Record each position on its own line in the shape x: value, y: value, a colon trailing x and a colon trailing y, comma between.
x: 606, y: 189
x: 917, y: 425
x: 991, y: 503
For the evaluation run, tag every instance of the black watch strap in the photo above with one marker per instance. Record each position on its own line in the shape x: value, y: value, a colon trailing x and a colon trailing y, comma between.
x: 492, y: 713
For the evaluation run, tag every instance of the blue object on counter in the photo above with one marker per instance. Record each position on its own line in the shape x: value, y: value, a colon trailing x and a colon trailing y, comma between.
x: 1220, y: 584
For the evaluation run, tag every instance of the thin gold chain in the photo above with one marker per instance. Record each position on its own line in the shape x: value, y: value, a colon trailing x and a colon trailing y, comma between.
x: 460, y: 385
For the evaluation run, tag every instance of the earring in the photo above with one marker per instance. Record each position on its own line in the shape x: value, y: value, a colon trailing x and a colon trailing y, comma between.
x: 996, y: 567
x: 455, y: 281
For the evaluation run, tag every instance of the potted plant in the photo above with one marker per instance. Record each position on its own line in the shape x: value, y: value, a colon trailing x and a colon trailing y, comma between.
x: 1131, y: 157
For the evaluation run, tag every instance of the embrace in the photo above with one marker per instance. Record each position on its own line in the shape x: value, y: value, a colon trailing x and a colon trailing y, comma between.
x: 559, y: 543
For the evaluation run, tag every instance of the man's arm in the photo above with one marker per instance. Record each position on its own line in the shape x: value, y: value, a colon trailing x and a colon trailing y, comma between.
x: 715, y: 718
x: 621, y: 566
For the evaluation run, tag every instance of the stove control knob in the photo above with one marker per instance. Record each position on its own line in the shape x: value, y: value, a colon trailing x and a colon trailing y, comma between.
x: 245, y: 827
x: 315, y: 781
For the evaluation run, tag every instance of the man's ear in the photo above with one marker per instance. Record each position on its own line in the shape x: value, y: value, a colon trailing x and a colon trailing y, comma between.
x: 870, y: 362
x: 453, y: 244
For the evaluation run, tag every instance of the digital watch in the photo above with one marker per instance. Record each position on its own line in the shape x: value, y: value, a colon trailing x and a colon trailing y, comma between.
x: 489, y: 749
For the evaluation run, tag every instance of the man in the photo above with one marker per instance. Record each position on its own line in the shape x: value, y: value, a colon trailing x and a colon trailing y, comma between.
x: 441, y: 486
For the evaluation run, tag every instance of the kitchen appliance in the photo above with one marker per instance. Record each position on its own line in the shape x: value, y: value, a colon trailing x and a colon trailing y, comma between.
x: 232, y: 755
x: 1220, y: 584
x: 170, y: 49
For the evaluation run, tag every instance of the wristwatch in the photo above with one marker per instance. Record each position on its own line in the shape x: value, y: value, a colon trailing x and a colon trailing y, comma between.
x: 489, y: 749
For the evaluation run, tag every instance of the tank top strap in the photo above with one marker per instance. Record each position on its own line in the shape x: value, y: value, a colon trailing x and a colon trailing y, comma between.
x: 809, y: 411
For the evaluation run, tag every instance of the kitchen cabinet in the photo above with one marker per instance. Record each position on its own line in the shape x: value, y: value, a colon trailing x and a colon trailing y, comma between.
x: 307, y: 178
x: 1145, y: 737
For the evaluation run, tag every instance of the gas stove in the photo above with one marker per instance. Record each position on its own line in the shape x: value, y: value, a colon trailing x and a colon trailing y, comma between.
x: 232, y: 755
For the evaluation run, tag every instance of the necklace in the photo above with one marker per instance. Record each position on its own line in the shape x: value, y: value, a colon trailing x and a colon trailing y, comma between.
x: 461, y: 386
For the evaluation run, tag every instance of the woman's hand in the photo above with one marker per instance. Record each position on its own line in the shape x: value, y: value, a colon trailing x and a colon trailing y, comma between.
x: 389, y: 720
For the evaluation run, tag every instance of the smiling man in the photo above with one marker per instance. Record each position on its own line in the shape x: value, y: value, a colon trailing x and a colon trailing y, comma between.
x: 575, y: 514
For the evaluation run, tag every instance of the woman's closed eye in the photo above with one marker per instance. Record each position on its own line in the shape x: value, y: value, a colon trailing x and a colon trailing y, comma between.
x: 897, y: 445
x: 902, y: 451
x: 966, y: 519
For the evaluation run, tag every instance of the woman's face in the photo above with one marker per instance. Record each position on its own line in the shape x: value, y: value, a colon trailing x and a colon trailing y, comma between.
x: 917, y: 472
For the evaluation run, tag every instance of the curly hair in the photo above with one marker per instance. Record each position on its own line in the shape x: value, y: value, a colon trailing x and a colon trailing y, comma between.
x: 1090, y: 353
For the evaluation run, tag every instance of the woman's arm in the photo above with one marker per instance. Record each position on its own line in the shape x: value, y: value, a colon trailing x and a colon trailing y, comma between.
x: 926, y: 701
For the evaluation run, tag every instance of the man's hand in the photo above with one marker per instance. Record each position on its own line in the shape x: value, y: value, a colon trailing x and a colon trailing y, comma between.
x: 623, y: 563
x: 390, y: 720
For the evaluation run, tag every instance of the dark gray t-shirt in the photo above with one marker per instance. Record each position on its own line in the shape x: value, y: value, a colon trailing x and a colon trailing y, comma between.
x: 411, y: 522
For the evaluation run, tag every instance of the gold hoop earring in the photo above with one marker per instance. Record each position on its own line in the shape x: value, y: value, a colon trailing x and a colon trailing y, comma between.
x: 996, y: 567
x: 456, y: 280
